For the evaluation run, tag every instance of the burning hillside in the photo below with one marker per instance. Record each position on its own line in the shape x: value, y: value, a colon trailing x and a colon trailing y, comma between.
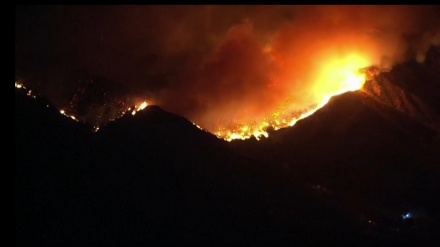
x: 236, y: 71
x: 94, y: 114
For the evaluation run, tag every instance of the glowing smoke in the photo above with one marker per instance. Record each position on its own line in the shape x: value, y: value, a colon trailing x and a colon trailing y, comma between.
x: 223, y: 65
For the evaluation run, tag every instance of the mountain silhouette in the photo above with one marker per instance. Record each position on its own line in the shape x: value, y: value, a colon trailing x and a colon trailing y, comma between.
x: 346, y: 174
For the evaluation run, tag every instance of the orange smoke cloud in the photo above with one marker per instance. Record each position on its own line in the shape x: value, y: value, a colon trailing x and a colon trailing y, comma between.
x: 225, y: 67
x: 249, y: 77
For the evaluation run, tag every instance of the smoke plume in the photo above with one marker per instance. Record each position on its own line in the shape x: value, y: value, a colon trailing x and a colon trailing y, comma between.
x: 216, y: 65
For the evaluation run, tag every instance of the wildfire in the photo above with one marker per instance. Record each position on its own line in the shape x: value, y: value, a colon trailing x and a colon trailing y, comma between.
x: 63, y: 112
x: 136, y: 108
x: 20, y: 86
x: 335, y: 77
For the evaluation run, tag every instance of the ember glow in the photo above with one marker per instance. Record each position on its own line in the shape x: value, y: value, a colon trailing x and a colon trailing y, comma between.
x: 20, y: 86
x: 137, y: 107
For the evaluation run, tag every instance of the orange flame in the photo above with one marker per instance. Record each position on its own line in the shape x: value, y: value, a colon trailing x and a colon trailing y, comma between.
x: 138, y: 108
x: 336, y: 76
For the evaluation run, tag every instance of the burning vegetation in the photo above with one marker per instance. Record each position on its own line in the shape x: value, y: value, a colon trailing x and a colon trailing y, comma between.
x: 337, y: 77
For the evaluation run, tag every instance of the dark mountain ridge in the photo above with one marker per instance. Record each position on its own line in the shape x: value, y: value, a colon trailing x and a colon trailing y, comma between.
x: 154, y: 178
x: 344, y: 175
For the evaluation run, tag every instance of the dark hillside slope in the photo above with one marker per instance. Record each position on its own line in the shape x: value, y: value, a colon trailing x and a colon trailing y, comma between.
x: 155, y: 178
x: 378, y: 150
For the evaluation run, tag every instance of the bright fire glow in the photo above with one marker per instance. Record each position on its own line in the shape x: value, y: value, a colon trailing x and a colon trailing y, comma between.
x: 335, y: 77
x: 142, y: 106
x: 63, y: 112
x: 138, y: 108
x: 19, y: 85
